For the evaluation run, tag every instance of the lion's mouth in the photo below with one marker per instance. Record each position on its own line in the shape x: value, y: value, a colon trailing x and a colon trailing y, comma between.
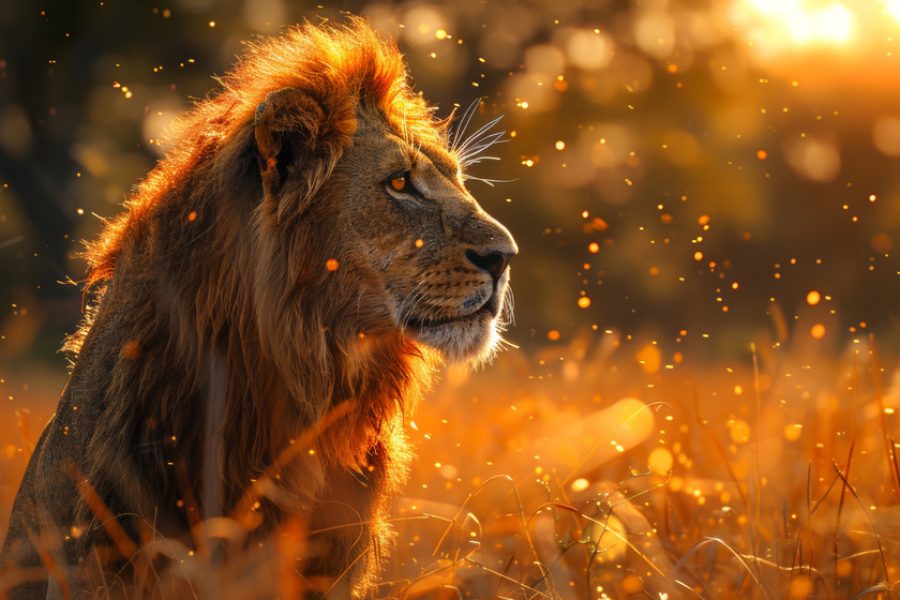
x: 490, y: 308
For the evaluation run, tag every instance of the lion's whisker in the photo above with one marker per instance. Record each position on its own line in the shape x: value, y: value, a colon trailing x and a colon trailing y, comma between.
x: 482, y: 137
x: 459, y: 129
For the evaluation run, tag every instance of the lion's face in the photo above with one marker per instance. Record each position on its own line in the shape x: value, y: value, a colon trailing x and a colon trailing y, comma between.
x: 440, y: 261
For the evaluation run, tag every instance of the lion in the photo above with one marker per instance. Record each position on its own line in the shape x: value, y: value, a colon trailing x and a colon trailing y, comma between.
x: 266, y: 311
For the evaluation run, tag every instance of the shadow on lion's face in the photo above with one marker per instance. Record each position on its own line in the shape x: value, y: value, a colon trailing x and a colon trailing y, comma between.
x: 441, y: 261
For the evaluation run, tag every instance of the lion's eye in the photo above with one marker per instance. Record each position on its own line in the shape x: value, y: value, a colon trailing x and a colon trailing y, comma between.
x: 399, y: 183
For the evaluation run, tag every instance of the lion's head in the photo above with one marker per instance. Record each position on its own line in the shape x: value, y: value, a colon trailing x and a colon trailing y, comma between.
x: 416, y: 251
x: 360, y: 184
x: 440, y: 260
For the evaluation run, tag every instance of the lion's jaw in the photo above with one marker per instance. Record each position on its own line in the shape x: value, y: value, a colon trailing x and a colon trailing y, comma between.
x: 473, y: 336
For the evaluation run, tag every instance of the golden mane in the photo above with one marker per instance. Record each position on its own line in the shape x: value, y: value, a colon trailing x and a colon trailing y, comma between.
x: 203, y: 336
x: 260, y: 319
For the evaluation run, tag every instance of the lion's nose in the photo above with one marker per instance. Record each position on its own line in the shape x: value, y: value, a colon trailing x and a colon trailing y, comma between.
x: 492, y: 261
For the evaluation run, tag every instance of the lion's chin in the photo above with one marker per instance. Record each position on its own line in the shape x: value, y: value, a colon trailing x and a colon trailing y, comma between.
x: 472, y: 339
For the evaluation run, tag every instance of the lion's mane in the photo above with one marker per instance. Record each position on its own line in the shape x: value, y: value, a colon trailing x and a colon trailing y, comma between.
x: 218, y: 339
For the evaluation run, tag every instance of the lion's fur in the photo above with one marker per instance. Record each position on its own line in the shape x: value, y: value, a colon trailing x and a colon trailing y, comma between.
x: 222, y: 369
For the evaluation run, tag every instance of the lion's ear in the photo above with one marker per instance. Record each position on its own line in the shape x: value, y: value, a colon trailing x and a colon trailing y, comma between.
x: 294, y: 132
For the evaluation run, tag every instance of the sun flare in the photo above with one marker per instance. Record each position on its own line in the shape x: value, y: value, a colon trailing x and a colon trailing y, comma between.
x: 775, y: 26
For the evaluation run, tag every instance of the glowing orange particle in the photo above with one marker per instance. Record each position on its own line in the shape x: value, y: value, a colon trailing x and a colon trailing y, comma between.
x: 740, y: 431
x: 817, y: 331
x: 599, y: 224
x: 131, y: 350
x: 762, y: 154
x: 703, y: 220
x: 580, y: 484
x: 420, y: 243
x: 332, y: 264
x: 553, y: 335
x: 660, y: 461
x: 792, y: 432
x: 813, y: 297
x: 584, y: 302
x: 593, y: 247
x: 698, y: 256
x: 192, y: 216
x: 632, y: 585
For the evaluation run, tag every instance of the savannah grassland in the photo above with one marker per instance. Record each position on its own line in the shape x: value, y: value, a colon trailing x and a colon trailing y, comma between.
x: 603, y: 467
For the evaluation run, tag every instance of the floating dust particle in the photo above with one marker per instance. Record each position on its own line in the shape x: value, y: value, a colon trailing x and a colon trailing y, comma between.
x: 817, y: 331
x: 632, y: 584
x: 762, y: 154
x: 844, y: 568
x: 441, y: 34
x: 584, y: 302
x: 599, y: 224
x: 553, y: 335
x: 593, y: 247
x: 419, y: 243
x: 560, y: 145
x: 698, y: 256
x: 613, y: 537
x: 212, y: 24
x: 703, y: 220
x: 672, y: 68
x: 650, y: 358
x: 738, y: 390
x: 660, y: 461
x: 332, y: 264
x: 653, y: 271
x: 192, y: 216
x: 800, y: 588
x: 792, y: 432
x: 131, y: 350
x: 739, y: 430
x: 813, y: 297
x: 580, y: 484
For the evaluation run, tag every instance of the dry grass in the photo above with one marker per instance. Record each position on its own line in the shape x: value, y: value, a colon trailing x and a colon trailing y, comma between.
x: 604, y: 467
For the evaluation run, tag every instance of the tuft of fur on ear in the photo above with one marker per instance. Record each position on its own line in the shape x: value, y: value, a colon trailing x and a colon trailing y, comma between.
x: 298, y: 140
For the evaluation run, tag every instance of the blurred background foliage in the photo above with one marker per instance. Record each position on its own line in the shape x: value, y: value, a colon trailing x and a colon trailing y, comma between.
x: 700, y: 173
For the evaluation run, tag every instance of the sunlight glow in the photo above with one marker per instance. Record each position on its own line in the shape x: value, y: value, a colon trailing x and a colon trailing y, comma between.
x: 774, y: 25
x: 892, y: 8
